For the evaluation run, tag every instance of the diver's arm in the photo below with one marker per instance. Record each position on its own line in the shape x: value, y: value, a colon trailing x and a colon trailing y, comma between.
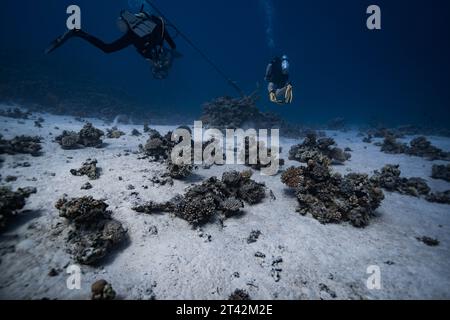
x: 119, y: 44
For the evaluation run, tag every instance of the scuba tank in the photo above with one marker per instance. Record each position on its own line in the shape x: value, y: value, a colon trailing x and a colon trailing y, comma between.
x: 151, y: 30
x: 141, y: 24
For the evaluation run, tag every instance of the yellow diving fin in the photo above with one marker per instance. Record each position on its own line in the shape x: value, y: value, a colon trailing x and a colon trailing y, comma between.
x: 273, y: 97
x: 289, y: 95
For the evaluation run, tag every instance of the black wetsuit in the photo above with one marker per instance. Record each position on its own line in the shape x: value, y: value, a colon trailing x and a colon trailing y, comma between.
x: 275, y: 75
x: 145, y: 46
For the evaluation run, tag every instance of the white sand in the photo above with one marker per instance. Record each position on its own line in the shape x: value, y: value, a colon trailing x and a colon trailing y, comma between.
x: 179, y: 264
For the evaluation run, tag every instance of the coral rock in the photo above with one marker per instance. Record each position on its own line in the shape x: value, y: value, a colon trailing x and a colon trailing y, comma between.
x: 331, y: 198
x: 136, y: 133
x: 89, y: 169
x: 419, y: 147
x: 228, y: 113
x: 182, y: 171
x: 68, y: 140
x: 89, y: 136
x: 102, y: 290
x: 256, y: 148
x: 158, y: 146
x: 114, y: 133
x: 92, y: 233
x: 21, y: 145
x: 239, y: 295
x: 392, y: 146
x: 441, y: 172
x: 439, y: 197
x: 320, y: 150
x: 11, y: 202
x: 431, y: 242
x: 213, y: 197
x: 15, y: 113
x: 389, y: 178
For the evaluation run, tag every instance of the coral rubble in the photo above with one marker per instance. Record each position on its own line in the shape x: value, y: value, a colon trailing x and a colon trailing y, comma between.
x: 136, y: 133
x: 368, y: 138
x: 332, y: 198
x: 439, y: 197
x: 89, y: 169
x: 89, y: 136
x: 254, y: 236
x: 93, y: 233
x: 159, y: 148
x: 389, y: 178
x: 431, y: 242
x: 213, y: 197
x: 228, y: 113
x: 21, y: 145
x: 441, y: 172
x: 178, y: 171
x: 419, y: 147
x: 11, y: 202
x: 102, y: 290
x: 321, y: 150
x: 86, y: 186
x: 392, y: 146
x: 15, y: 113
x: 114, y: 133
x: 239, y: 295
x: 253, y: 147
x: 384, y: 133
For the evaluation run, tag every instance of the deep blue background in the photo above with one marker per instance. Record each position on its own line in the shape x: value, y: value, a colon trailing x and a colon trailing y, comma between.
x: 399, y: 74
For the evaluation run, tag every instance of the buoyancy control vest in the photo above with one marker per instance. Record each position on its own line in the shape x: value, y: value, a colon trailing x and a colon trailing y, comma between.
x: 276, y: 74
x: 148, y: 29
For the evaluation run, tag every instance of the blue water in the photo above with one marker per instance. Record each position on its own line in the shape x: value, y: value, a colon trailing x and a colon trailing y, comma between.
x: 339, y: 68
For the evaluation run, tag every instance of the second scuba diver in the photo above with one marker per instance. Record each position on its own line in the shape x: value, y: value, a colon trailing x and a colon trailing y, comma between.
x: 277, y: 75
x: 147, y: 33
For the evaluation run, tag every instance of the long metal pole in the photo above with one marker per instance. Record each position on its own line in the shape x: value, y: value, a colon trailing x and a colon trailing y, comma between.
x: 196, y: 48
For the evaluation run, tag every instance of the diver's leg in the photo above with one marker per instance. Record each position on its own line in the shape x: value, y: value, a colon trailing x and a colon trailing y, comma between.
x: 117, y: 45
x: 289, y: 95
x: 280, y: 94
x: 75, y: 33
x: 60, y: 41
x: 284, y: 95
x: 272, y: 92
x: 96, y: 42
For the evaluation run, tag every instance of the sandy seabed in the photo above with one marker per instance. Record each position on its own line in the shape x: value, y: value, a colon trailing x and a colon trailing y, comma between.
x: 179, y: 262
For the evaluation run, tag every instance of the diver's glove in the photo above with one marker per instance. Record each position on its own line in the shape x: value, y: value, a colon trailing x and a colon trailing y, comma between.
x: 289, y: 95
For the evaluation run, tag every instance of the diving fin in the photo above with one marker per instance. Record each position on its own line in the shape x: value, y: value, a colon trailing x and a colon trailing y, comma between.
x: 59, y: 41
x: 273, y: 97
x: 289, y: 95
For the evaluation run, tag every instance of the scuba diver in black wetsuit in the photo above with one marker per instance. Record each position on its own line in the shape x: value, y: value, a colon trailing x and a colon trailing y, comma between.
x: 277, y: 75
x: 147, y: 33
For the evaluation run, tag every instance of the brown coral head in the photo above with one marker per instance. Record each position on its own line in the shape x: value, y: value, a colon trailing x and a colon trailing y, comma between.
x: 292, y: 177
